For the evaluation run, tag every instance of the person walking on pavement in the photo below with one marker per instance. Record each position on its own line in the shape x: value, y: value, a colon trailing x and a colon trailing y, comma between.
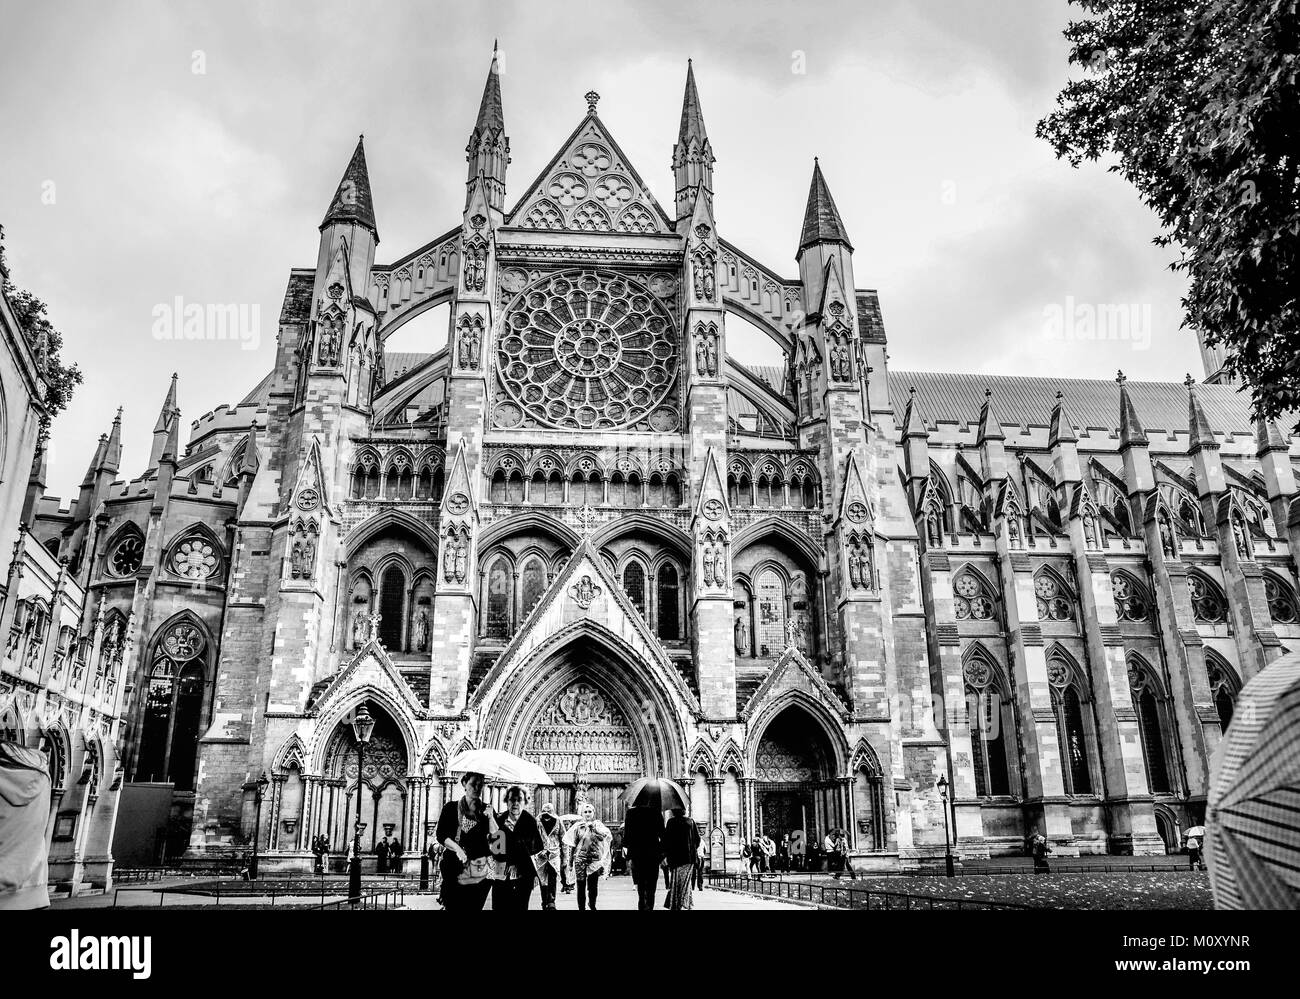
x: 518, y: 840
x: 553, y: 872
x: 643, y: 829
x: 588, y: 841
x: 681, y: 845
x: 464, y: 828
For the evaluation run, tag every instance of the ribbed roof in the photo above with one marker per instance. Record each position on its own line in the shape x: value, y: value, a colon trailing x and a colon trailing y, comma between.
x: 261, y: 392
x: 1094, y: 403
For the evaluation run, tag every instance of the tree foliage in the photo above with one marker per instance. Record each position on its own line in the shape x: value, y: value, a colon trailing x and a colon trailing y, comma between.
x: 1197, y: 102
x: 46, y: 343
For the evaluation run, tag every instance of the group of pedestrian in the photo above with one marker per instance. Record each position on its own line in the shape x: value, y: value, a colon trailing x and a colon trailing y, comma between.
x: 506, y: 854
x: 673, y: 847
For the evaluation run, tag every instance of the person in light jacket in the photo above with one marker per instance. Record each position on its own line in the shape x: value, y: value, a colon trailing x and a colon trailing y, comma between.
x: 24, y: 811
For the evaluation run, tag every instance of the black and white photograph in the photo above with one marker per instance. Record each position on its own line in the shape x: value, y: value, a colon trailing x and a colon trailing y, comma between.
x: 776, y: 457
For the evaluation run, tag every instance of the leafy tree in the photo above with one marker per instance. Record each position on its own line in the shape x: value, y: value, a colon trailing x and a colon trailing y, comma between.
x: 46, y: 343
x: 1197, y: 102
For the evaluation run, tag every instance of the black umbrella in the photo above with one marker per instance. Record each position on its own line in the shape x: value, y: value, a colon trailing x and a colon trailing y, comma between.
x: 658, y: 793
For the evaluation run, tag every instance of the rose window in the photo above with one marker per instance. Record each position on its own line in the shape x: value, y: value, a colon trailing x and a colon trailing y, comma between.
x: 587, y: 350
x: 128, y: 556
x: 194, y: 559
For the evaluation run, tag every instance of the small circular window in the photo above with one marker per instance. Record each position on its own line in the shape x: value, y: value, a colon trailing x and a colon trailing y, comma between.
x: 127, y: 556
x: 194, y: 559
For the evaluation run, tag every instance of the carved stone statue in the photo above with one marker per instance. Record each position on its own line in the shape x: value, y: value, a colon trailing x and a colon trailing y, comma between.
x: 308, y: 558
x: 711, y: 354
x: 295, y: 560
x: 855, y: 567
x: 710, y: 560
x: 462, y: 557
x: 1167, y: 541
x: 1242, y: 537
x: 360, y: 625
x: 742, y: 635
x: 422, y: 630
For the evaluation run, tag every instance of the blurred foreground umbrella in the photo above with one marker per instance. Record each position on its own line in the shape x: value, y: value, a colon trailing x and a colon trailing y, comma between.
x: 1253, y: 809
x: 658, y: 793
x: 498, y: 765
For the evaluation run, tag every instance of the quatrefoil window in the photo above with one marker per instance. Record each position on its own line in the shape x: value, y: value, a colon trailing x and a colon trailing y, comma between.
x: 591, y: 159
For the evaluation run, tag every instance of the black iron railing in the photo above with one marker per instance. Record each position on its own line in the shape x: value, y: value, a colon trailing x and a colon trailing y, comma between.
x: 394, y: 898
x: 840, y: 896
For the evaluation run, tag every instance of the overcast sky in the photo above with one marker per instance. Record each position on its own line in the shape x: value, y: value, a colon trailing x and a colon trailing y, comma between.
x: 156, y: 150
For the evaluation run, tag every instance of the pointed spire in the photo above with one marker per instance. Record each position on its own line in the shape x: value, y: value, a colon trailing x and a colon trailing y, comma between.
x: 913, y: 421
x: 1130, y: 427
x: 1269, y: 437
x: 113, y: 453
x: 1062, y: 428
x: 96, y: 461
x: 491, y: 117
x: 249, y: 464
x: 1198, y: 424
x: 353, y: 201
x: 990, y: 425
x: 168, y: 408
x: 692, y: 127
x: 821, y: 219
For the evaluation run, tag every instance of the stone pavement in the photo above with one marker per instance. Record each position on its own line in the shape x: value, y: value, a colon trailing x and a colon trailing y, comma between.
x: 615, y: 893
x: 620, y: 893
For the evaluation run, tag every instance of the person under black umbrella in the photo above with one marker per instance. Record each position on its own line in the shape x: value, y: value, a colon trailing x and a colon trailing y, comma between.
x: 642, y: 834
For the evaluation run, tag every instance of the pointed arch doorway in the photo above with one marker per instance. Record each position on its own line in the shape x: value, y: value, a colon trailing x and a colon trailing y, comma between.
x: 592, y: 719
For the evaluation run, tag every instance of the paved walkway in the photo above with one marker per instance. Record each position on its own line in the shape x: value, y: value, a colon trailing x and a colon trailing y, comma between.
x: 620, y: 893
x: 615, y: 893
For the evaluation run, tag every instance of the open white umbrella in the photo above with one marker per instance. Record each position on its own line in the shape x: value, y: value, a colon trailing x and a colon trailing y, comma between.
x: 1253, y: 808
x: 499, y: 765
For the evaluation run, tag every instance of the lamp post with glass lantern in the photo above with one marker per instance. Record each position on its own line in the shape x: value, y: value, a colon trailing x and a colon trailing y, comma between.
x: 942, y: 785
x: 362, y: 725
x: 259, y: 792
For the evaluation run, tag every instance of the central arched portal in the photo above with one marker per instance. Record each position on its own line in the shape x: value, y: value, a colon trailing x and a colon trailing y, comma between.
x: 795, y: 783
x: 592, y: 720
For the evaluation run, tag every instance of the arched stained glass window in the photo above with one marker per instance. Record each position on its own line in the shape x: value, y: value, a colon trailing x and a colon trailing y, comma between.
x: 634, y: 585
x: 666, y: 600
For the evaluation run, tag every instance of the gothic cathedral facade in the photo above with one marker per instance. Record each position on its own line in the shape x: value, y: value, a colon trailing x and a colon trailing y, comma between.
x: 585, y: 532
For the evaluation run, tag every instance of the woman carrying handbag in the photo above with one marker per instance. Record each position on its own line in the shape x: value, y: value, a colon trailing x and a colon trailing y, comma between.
x: 465, y: 828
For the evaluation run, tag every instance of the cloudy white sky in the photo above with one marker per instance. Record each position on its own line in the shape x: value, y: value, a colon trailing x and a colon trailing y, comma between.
x: 127, y: 178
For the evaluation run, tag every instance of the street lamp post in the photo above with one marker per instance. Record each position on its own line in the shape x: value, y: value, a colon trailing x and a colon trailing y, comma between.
x: 942, y: 784
x: 362, y: 725
x: 259, y: 792
x: 424, y: 849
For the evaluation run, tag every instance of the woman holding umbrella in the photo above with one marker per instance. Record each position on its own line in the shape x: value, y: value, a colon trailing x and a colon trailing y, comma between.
x: 464, y: 828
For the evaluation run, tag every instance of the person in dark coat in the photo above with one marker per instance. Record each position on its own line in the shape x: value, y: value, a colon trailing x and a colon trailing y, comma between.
x: 381, y: 857
x: 464, y: 827
x: 642, y: 834
x: 395, y: 853
x: 681, y: 840
x: 517, y: 839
